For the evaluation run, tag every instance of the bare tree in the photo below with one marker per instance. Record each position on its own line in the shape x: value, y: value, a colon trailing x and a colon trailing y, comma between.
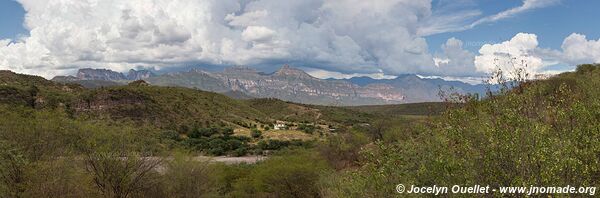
x: 120, y: 175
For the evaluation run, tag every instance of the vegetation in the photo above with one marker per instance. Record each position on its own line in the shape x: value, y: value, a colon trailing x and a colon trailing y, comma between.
x: 307, y: 128
x: 255, y: 133
x: 61, y: 140
x: 215, y: 141
x: 416, y: 109
x: 288, y: 111
x: 540, y: 133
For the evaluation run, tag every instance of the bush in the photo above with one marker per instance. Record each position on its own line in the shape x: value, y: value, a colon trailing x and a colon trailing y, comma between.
x: 12, y: 173
x: 170, y: 135
x: 216, y: 141
x: 255, y: 133
x: 118, y: 177
x: 307, y: 128
x: 241, y: 151
x: 292, y: 174
x: 342, y: 151
x: 186, y: 177
x: 62, y: 177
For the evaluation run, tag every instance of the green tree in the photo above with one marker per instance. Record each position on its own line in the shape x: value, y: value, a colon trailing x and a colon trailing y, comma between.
x: 255, y: 133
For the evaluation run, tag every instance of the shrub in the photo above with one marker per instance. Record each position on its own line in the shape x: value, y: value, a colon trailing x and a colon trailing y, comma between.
x: 120, y: 174
x: 186, y: 177
x: 12, y: 173
x: 255, y: 133
x: 512, y: 138
x: 291, y: 174
x: 307, y: 128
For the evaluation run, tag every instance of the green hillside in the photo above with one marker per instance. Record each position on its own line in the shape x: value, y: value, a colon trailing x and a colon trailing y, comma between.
x: 289, y: 111
x: 64, y: 140
x: 165, y: 107
x: 188, y: 118
x: 416, y: 109
x: 539, y: 133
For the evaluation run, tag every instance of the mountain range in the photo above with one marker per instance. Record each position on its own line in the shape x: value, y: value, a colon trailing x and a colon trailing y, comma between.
x: 287, y: 83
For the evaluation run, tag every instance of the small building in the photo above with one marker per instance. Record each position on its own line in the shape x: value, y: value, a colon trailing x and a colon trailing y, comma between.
x: 279, y: 126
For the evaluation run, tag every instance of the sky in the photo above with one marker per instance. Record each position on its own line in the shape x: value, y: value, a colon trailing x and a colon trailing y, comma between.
x: 455, y: 39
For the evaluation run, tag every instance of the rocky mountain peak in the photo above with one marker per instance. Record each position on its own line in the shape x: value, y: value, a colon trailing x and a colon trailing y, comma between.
x: 99, y: 74
x: 287, y: 83
x: 139, y: 74
x: 288, y: 71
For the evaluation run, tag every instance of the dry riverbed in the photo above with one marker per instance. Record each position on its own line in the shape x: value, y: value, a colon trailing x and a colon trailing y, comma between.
x: 232, y: 160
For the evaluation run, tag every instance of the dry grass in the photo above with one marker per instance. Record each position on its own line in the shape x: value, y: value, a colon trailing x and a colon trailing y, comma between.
x: 287, y: 135
x: 277, y: 134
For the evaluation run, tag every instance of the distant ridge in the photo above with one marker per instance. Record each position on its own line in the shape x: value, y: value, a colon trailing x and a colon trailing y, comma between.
x: 92, y: 78
x: 106, y: 75
x: 287, y: 83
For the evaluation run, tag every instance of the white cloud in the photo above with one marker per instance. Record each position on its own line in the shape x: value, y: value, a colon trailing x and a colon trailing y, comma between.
x: 257, y: 34
x: 519, y: 52
x: 454, y: 17
x: 454, y: 60
x: 578, y: 50
x: 346, y: 36
x: 246, y: 19
x: 522, y: 51
x: 324, y: 74
x: 440, y: 61
x: 526, y: 6
x: 352, y: 36
x: 474, y: 80
x: 449, y: 16
x: 4, y: 42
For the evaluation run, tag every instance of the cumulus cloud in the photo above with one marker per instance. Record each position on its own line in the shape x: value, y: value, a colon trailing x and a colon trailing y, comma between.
x: 518, y: 52
x: 522, y: 51
x: 352, y: 36
x: 577, y: 49
x: 346, y: 36
x: 439, y: 61
x: 454, y: 60
x: 257, y: 34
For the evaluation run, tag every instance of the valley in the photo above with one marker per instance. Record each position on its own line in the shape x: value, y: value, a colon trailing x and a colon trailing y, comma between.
x: 66, y: 139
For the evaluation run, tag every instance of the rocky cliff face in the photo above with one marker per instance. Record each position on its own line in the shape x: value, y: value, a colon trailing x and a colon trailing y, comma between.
x: 99, y: 74
x: 287, y: 83
x: 89, y: 74
x: 139, y: 74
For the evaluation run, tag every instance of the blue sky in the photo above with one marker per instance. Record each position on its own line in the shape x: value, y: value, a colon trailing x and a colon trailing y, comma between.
x: 337, y: 38
x: 11, y: 19
x: 552, y: 24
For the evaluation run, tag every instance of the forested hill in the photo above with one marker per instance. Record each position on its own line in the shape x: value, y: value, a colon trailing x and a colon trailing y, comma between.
x: 540, y: 133
x: 163, y: 107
